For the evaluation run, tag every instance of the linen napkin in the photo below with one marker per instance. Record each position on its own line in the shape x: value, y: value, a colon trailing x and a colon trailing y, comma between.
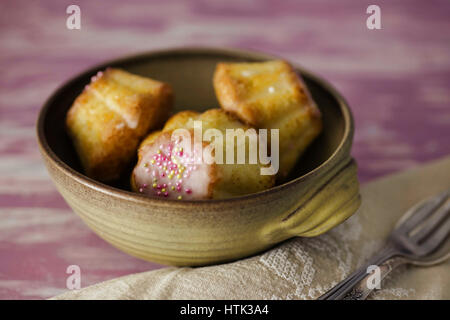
x: 305, y: 268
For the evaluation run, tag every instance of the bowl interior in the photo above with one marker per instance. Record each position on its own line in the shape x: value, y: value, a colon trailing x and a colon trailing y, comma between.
x: 190, y: 73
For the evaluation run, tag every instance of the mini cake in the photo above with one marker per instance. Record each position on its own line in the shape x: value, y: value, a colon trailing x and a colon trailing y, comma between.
x: 271, y: 95
x: 167, y: 165
x: 110, y: 117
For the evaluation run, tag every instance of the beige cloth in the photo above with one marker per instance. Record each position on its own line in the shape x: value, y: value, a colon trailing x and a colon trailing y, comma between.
x: 305, y: 268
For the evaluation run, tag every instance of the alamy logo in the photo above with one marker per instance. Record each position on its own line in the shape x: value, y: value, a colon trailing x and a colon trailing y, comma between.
x: 374, y: 20
x: 74, y: 20
x: 219, y: 144
x: 73, y: 281
x: 374, y: 280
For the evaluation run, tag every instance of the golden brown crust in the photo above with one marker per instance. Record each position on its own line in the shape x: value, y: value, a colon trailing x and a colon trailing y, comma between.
x: 112, y: 114
x: 180, y: 119
x: 227, y: 89
x: 213, y: 176
x: 270, y: 95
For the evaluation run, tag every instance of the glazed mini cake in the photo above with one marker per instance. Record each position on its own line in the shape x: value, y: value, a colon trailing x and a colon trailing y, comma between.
x: 270, y: 95
x: 110, y: 117
x: 166, y: 168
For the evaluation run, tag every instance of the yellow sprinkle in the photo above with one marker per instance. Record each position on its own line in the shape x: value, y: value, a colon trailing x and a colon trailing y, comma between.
x: 179, y: 176
x: 154, y: 179
x: 182, y: 169
x: 164, y: 168
x: 180, y: 197
x: 170, y: 176
x: 146, y: 164
x: 154, y: 185
x: 159, y: 152
x: 173, y: 188
x: 163, y: 190
x: 152, y: 161
x: 172, y: 172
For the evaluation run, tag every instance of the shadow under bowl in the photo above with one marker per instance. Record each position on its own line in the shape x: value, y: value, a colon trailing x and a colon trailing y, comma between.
x: 321, y: 192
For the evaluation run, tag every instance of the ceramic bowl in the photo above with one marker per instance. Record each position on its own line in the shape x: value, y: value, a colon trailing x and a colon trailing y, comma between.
x: 321, y: 192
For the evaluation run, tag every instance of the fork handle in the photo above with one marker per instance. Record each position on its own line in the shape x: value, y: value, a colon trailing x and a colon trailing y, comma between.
x: 362, y: 290
x: 343, y: 288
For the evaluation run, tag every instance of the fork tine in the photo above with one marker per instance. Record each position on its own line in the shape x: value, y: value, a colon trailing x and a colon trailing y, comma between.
x: 419, y: 213
x: 436, y: 239
x: 431, y: 224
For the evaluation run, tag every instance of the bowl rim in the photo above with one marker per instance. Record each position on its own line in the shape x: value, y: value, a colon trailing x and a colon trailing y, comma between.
x: 105, y: 189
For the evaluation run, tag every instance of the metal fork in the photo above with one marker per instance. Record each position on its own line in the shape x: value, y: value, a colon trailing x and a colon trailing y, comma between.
x: 418, y: 234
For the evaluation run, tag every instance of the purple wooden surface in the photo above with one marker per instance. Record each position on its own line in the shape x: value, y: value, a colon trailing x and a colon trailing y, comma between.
x: 396, y: 80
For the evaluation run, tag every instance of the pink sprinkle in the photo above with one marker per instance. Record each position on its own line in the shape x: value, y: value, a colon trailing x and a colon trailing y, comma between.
x: 164, y: 185
x: 179, y: 188
x: 158, y: 186
x: 166, y: 194
x: 144, y: 185
x: 141, y: 190
x: 163, y: 174
x: 158, y: 193
x: 188, y: 191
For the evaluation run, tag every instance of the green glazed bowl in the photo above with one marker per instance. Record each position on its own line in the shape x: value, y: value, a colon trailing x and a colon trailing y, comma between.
x: 321, y: 193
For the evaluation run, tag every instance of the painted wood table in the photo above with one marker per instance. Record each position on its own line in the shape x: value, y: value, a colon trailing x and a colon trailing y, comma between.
x: 396, y: 79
